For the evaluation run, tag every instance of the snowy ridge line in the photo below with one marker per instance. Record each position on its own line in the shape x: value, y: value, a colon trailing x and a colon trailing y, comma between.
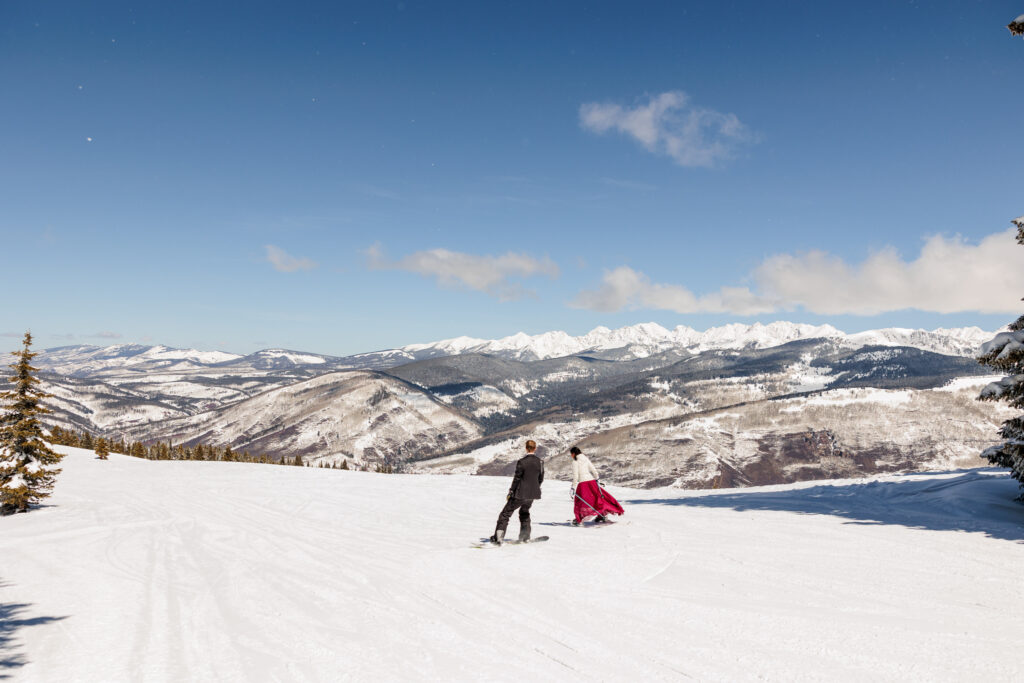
x: 631, y: 342
x: 649, y: 338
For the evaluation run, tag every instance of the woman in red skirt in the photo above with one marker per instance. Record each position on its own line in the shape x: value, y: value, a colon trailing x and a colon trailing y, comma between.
x: 589, y: 499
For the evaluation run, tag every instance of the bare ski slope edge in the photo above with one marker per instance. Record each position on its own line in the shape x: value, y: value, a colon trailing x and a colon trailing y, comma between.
x: 170, y: 571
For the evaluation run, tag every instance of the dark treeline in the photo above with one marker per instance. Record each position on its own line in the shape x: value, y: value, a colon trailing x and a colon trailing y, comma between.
x: 168, y: 451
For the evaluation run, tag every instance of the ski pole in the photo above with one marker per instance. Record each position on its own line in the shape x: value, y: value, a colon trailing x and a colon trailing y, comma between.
x: 586, y: 503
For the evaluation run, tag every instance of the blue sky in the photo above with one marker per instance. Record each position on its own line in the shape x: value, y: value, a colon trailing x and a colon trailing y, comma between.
x: 342, y: 177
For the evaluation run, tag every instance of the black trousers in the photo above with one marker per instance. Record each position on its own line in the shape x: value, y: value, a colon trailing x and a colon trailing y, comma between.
x: 510, y: 507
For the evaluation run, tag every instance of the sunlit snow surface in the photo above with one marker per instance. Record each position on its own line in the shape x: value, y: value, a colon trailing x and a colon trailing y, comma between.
x: 172, y: 571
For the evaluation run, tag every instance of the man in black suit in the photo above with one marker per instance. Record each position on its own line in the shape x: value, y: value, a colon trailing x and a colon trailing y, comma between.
x: 525, y: 489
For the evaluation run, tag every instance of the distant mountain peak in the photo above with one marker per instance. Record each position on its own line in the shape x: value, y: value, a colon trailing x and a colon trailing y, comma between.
x: 644, y: 339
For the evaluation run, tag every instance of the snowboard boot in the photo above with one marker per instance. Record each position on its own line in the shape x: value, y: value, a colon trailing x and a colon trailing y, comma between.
x: 601, y: 519
x: 524, y: 533
x: 499, y: 537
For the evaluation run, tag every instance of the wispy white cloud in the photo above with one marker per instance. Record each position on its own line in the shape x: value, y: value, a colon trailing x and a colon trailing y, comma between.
x: 13, y: 335
x: 494, y: 275
x: 286, y: 263
x: 625, y: 288
x: 949, y: 276
x: 669, y: 124
x: 108, y: 335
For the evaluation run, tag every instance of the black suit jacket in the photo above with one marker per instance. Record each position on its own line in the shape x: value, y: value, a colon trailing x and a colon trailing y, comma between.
x: 529, y: 476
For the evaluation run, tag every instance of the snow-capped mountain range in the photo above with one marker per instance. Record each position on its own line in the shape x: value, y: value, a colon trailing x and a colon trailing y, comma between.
x: 645, y: 339
x: 644, y: 393
x: 85, y: 360
x: 624, y: 343
x: 88, y: 361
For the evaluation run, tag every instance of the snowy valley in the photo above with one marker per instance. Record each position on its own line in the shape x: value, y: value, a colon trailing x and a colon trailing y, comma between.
x: 732, y: 406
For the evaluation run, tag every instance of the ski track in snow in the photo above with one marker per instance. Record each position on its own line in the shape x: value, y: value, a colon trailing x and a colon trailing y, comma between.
x: 170, y: 571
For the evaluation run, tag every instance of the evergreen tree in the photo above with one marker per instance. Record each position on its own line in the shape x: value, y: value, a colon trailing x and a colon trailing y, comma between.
x: 57, y: 436
x: 102, y: 449
x: 1017, y: 26
x: 27, y: 474
x: 1005, y: 352
x: 344, y: 464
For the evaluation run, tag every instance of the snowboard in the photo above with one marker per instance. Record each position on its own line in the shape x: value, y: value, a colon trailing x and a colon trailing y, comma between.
x: 486, y: 543
x: 584, y: 525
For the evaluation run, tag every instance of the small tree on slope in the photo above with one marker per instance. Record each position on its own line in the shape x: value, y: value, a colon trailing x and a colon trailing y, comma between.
x: 1006, y: 353
x: 26, y: 462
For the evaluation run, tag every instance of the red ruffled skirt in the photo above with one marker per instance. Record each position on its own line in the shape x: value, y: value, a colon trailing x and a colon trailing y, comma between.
x: 595, y: 501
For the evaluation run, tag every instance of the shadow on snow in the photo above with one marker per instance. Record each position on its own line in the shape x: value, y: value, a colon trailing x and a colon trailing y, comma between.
x: 14, y: 616
x: 976, y: 500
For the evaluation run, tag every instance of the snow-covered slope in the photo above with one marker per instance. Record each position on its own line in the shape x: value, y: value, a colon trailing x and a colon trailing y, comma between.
x: 363, y: 415
x: 94, y: 406
x: 117, y: 380
x: 172, y: 571
x: 587, y: 387
x: 283, y: 359
x: 716, y: 433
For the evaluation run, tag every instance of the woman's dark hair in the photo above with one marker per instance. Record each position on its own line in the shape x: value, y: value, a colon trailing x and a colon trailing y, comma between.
x: 574, y: 451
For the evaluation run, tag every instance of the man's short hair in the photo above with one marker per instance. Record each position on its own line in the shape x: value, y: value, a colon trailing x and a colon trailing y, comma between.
x: 531, y: 445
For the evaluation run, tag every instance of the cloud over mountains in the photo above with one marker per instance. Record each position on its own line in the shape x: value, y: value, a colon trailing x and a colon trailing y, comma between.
x: 668, y: 124
x: 949, y: 276
x: 493, y: 275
